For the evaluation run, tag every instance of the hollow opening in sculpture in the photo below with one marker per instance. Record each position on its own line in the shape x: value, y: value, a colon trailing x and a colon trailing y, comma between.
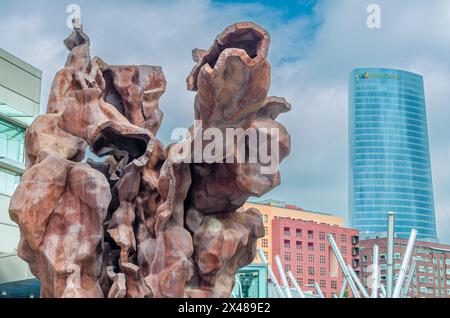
x: 248, y: 40
x: 112, y: 142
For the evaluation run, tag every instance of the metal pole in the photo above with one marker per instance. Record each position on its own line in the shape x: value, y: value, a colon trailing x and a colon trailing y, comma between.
x: 296, y: 285
x: 343, y: 288
x: 405, y: 262
x: 343, y: 266
x: 318, y: 290
x: 271, y: 274
x: 412, y: 272
x: 375, y: 274
x: 358, y: 282
x: 283, y: 276
x: 390, y: 254
x: 382, y: 290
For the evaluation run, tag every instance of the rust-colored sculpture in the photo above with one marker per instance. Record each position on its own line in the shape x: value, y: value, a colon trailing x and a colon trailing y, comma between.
x: 142, y: 222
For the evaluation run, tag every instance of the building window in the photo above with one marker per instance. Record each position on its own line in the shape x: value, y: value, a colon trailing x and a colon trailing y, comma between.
x: 298, y: 245
x: 430, y: 280
x: 323, y: 272
x: 397, y: 256
x: 322, y: 247
x: 422, y: 279
x: 311, y: 259
x: 344, y: 249
x: 334, y: 284
x: 287, y: 231
x: 322, y: 259
x: 382, y: 256
x: 265, y: 243
x: 322, y: 236
x: 422, y: 269
x: 364, y: 258
x: 430, y: 270
x: 299, y: 281
x: 265, y: 218
x: 299, y: 257
x: 310, y: 246
x: 12, y: 141
x: 323, y: 284
x: 299, y: 269
x: 287, y: 267
x: 311, y: 281
x: 287, y: 256
x: 343, y: 238
x: 311, y: 271
x: 287, y: 244
x: 298, y: 232
x: 310, y: 235
x: 8, y: 182
x: 266, y: 230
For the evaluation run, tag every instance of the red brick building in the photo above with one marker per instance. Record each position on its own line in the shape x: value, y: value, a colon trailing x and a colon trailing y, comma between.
x: 304, y: 249
x: 432, y: 276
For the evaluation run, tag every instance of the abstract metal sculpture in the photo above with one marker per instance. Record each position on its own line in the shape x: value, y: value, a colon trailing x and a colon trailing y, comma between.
x: 141, y: 223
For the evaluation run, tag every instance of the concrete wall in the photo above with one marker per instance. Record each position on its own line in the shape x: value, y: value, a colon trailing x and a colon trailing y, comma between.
x: 20, y: 84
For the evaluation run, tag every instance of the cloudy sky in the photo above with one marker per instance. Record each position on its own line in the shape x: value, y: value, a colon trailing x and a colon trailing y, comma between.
x: 315, y: 45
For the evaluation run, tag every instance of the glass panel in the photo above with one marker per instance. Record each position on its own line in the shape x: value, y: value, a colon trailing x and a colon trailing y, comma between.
x: 16, y: 114
x: 8, y: 182
x: 12, y: 141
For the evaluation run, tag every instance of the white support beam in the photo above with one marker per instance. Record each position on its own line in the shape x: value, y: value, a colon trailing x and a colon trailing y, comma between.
x: 390, y: 254
x: 296, y: 285
x: 405, y: 262
x: 343, y: 266
x: 358, y: 282
x: 375, y: 271
x: 412, y: 272
x: 283, y: 277
x: 272, y: 276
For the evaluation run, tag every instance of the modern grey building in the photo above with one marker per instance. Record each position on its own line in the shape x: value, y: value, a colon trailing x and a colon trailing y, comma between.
x: 389, y: 155
x: 20, y: 94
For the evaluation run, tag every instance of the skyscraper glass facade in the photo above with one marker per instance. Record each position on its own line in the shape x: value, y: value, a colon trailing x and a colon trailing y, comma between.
x: 390, y: 166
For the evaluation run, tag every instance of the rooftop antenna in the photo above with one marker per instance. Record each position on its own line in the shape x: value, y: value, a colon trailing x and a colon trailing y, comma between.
x: 283, y: 277
x: 358, y: 282
x: 375, y: 276
x: 390, y: 254
x: 405, y: 262
x: 343, y: 266
x: 296, y: 285
x: 412, y: 272
x: 271, y: 274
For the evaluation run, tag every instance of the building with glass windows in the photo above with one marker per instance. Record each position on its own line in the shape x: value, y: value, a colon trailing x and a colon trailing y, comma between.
x: 20, y: 89
x: 389, y: 153
x: 432, y: 275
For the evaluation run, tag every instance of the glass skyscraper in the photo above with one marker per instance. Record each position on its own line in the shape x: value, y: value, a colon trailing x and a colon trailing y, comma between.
x: 390, y: 167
